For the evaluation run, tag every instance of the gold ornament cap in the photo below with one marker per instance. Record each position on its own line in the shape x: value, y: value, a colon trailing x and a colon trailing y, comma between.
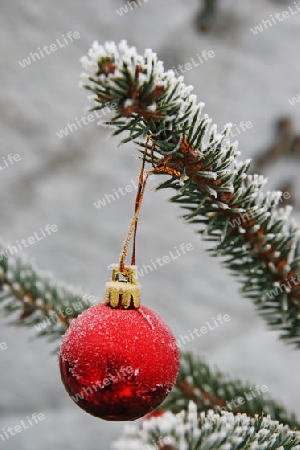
x: 123, y: 290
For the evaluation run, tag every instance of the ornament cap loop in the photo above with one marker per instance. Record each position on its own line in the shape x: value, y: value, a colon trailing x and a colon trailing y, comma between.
x: 123, y: 290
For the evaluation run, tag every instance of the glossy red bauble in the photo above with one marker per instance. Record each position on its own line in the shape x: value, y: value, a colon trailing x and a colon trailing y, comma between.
x: 118, y: 364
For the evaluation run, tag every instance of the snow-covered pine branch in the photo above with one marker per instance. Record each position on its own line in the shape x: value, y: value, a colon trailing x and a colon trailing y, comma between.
x: 187, y: 430
x: 258, y: 239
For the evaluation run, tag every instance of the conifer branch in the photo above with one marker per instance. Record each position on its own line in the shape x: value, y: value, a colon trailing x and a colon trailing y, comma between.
x: 39, y: 300
x: 209, y: 389
x: 208, y: 431
x: 258, y: 240
x: 260, y: 243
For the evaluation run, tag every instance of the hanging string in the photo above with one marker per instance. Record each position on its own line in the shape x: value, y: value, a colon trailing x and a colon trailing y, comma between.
x: 138, y: 202
x: 141, y: 188
x: 139, y: 198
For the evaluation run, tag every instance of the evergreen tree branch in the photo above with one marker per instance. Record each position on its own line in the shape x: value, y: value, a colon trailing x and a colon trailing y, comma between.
x: 211, y: 389
x: 40, y: 300
x: 208, y: 431
x: 256, y: 237
x: 49, y: 306
x: 257, y: 240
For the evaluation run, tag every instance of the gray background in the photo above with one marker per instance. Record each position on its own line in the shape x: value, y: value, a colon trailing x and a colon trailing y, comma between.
x: 57, y: 180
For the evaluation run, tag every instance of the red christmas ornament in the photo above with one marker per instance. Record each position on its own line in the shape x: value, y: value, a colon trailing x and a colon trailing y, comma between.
x: 119, y: 360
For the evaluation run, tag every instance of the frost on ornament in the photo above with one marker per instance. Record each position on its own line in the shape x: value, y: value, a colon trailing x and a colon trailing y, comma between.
x: 118, y: 363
